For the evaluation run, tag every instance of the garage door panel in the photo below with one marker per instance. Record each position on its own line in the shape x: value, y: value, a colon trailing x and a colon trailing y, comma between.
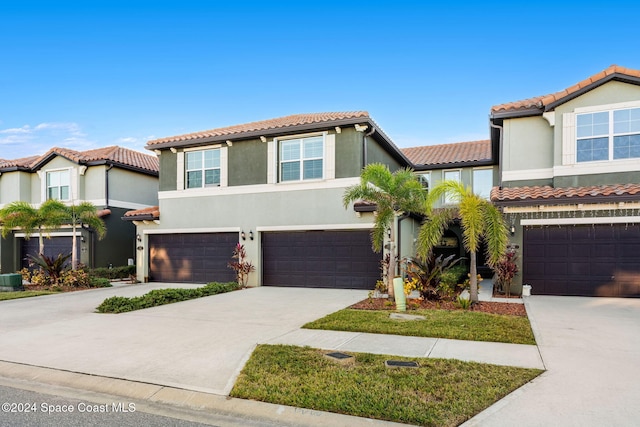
x: 600, y: 260
x: 191, y: 257
x: 331, y: 259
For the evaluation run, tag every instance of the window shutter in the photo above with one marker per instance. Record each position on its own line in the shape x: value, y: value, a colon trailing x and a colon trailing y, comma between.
x: 73, y: 183
x: 180, y: 171
x: 224, y: 178
x: 272, y: 167
x: 568, y: 138
x: 330, y: 156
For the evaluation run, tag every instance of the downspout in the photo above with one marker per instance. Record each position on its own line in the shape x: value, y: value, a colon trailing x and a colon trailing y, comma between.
x: 501, y: 130
x: 365, y: 158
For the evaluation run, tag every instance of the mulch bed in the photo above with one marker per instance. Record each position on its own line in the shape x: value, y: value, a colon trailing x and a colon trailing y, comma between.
x: 511, y: 309
x: 31, y: 287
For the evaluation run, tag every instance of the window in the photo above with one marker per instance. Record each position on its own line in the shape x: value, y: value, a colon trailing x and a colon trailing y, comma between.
x: 483, y: 182
x: 451, y: 176
x: 424, y: 179
x: 58, y: 185
x: 608, y: 135
x: 301, y: 159
x: 203, y: 168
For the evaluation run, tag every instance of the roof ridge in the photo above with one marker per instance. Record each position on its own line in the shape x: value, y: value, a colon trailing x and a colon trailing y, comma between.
x: 544, y: 100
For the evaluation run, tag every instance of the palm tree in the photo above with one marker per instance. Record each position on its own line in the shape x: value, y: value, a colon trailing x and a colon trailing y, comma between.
x: 80, y: 215
x: 393, y: 194
x: 479, y: 220
x: 49, y: 215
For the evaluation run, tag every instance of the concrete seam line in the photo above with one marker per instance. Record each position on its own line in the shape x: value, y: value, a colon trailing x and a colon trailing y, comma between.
x: 534, y: 328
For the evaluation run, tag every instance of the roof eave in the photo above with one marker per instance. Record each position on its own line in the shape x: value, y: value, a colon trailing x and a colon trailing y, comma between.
x: 285, y: 130
x: 514, y: 114
x: 471, y: 163
x: 567, y: 200
x: 612, y: 77
x: 123, y: 166
x: 148, y: 217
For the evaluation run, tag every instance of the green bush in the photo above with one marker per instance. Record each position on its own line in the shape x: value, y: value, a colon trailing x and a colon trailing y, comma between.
x: 162, y: 297
x: 122, y: 272
x: 99, y: 282
x: 454, y: 276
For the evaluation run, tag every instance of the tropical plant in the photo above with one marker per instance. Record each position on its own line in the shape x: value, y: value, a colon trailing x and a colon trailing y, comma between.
x: 80, y: 215
x: 427, y: 273
x: 22, y: 215
x: 52, y: 266
x: 393, y: 194
x: 506, y: 268
x: 479, y: 220
x: 240, y: 265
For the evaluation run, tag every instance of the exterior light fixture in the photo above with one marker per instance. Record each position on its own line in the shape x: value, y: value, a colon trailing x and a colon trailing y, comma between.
x: 512, y: 229
x: 389, y: 232
x: 250, y: 235
x: 243, y: 236
x: 138, y: 237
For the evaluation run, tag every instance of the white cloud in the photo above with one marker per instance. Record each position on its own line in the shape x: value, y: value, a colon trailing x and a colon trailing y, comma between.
x: 30, y: 140
x: 127, y: 140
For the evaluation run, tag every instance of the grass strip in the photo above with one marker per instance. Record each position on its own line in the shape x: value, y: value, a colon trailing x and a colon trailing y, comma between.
x: 23, y: 294
x: 452, y: 324
x: 162, y: 296
x: 440, y: 392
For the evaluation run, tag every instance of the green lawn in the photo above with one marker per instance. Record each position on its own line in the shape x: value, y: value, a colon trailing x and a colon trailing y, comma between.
x: 453, y: 324
x: 23, y: 294
x: 438, y: 393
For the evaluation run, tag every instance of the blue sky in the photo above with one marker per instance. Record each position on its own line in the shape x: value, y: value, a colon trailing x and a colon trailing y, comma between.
x: 91, y: 74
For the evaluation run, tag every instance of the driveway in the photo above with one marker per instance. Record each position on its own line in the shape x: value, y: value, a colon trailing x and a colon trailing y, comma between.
x: 591, y: 349
x: 198, y: 345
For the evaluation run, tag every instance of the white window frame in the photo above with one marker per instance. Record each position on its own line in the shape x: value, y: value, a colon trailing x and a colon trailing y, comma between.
x: 448, y: 199
x: 181, y: 179
x: 69, y: 186
x: 425, y: 179
x: 301, y: 160
x: 473, y: 181
x: 570, y: 143
x: 202, y: 169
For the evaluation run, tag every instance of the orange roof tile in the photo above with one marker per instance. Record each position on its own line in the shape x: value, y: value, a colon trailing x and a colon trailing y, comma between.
x: 114, y: 154
x: 264, y: 125
x: 152, y: 212
x: 545, y: 100
x: 443, y: 154
x: 539, y: 193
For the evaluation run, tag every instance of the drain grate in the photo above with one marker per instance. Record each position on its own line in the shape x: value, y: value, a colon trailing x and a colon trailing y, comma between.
x: 338, y: 355
x: 400, y: 364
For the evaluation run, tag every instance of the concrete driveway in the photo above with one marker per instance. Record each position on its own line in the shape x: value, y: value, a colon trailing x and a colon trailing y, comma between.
x: 197, y: 345
x: 591, y: 349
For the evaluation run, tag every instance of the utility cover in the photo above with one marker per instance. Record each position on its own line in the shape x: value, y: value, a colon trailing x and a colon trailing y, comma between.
x: 400, y: 364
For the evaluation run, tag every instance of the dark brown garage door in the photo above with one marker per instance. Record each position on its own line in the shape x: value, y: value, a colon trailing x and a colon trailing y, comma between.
x: 52, y: 248
x: 191, y: 257
x: 320, y: 259
x: 599, y: 260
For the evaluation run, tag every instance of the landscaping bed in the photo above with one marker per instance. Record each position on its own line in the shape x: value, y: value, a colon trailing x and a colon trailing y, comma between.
x: 511, y: 309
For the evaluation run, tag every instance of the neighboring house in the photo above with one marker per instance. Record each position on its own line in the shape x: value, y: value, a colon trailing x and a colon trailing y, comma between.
x: 570, y: 185
x: 275, y: 186
x: 114, y: 179
x: 474, y: 164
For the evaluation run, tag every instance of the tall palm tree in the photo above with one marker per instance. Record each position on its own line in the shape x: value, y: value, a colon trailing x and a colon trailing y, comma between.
x: 479, y: 220
x: 80, y: 215
x: 393, y: 194
x: 22, y: 215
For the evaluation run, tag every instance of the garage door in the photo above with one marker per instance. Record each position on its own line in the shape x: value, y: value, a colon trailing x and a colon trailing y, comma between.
x: 320, y: 259
x: 599, y: 260
x: 52, y: 248
x: 191, y: 257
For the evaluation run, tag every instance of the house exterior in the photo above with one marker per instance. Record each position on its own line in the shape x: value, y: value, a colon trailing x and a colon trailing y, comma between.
x: 114, y: 179
x: 276, y: 187
x: 473, y: 163
x: 569, y: 185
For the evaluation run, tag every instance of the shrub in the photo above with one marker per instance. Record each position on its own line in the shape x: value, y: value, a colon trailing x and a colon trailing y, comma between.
x: 240, y: 265
x: 99, y: 282
x: 163, y: 296
x: 122, y: 272
x: 427, y: 274
x: 74, y: 278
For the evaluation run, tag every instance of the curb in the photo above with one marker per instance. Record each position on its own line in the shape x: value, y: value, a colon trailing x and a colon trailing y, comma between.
x: 170, y: 401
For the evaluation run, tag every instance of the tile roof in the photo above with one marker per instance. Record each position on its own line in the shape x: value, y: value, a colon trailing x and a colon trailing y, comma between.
x: 545, y: 100
x: 114, y: 154
x: 547, y: 193
x: 152, y: 212
x: 264, y: 125
x: 23, y: 162
x: 443, y: 154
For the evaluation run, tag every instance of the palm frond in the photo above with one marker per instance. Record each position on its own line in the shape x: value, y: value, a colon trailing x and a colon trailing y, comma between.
x: 432, y: 230
x: 496, y: 234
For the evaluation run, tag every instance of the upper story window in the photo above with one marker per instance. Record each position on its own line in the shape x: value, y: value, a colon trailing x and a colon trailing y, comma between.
x: 58, y: 185
x: 483, y: 182
x: 301, y: 158
x: 608, y: 135
x: 452, y: 175
x: 425, y: 179
x: 202, y: 168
